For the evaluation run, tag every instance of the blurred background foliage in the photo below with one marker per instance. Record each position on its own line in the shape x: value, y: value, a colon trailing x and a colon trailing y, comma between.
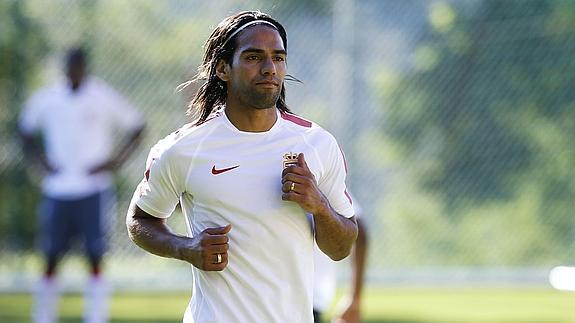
x: 23, y: 45
x: 485, y: 118
x: 457, y: 132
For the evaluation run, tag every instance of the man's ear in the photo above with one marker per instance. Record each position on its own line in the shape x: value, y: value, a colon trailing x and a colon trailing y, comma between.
x: 223, y: 70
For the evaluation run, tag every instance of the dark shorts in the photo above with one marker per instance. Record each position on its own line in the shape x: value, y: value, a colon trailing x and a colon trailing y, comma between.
x: 63, y: 222
x: 316, y: 316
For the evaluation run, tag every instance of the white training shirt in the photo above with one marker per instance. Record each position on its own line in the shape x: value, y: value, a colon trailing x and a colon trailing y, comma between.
x: 79, y: 131
x: 325, y: 277
x: 269, y: 277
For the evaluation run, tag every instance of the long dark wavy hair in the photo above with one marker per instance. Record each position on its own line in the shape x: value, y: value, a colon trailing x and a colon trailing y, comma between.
x: 212, y: 93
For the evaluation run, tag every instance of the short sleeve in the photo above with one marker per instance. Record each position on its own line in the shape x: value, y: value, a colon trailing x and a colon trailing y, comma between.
x: 358, y: 210
x: 159, y: 191
x: 332, y: 183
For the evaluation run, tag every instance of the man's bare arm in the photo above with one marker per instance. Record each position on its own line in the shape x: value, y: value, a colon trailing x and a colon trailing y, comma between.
x: 122, y: 153
x: 334, y: 233
x: 350, y: 307
x: 154, y: 235
x: 359, y: 257
x: 33, y: 151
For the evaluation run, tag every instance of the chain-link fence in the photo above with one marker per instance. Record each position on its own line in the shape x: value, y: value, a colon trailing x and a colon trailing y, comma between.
x: 455, y: 116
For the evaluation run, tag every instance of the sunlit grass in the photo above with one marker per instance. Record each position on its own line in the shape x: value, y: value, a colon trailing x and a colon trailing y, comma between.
x: 398, y: 305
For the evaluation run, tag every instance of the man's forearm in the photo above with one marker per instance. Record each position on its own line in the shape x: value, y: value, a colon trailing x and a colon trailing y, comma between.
x: 359, y: 255
x: 33, y: 151
x: 334, y: 233
x: 207, y: 251
x: 152, y: 234
x: 129, y: 146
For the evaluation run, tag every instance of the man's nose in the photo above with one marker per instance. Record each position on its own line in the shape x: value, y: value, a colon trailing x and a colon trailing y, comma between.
x: 268, y: 67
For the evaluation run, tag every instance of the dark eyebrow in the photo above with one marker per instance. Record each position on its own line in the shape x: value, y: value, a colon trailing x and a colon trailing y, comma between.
x: 259, y: 51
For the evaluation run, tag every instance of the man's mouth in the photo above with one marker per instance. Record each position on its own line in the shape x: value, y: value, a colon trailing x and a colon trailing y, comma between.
x: 270, y: 84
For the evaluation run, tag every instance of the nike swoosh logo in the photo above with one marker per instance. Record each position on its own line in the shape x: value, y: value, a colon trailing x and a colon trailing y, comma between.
x: 223, y: 170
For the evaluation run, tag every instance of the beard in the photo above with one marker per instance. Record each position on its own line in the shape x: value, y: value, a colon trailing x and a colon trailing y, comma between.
x: 261, y: 99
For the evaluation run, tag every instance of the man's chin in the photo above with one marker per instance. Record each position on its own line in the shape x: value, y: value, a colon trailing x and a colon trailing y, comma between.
x: 267, y: 103
x: 264, y: 107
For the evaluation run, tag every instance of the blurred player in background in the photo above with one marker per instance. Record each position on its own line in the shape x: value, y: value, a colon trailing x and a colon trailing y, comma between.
x: 251, y: 177
x: 79, y: 119
x: 325, y: 280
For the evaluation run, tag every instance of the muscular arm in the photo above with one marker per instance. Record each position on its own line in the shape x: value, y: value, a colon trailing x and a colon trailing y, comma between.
x: 154, y: 235
x: 132, y: 141
x: 359, y: 256
x: 350, y: 307
x: 335, y: 234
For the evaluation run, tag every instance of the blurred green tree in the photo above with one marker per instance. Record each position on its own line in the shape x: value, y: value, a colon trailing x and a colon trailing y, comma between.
x: 488, y: 108
x: 22, y: 47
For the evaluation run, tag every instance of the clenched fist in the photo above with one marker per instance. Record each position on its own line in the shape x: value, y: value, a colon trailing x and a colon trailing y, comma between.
x: 208, y: 250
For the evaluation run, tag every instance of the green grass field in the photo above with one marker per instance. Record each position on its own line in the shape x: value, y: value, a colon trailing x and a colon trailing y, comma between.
x: 402, y: 305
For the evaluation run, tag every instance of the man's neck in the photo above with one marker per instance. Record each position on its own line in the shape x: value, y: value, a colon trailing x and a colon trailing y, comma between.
x: 75, y: 85
x: 252, y: 120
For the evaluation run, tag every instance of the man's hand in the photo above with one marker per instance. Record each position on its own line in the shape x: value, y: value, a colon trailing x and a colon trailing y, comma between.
x: 49, y: 168
x: 348, y: 312
x: 206, y: 251
x: 34, y: 151
x: 203, y: 250
x: 299, y: 186
x: 109, y: 165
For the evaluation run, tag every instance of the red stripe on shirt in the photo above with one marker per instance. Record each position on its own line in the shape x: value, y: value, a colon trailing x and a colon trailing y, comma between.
x: 344, y: 160
x: 345, y: 167
x: 295, y: 119
x: 147, y: 172
x: 348, y: 197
